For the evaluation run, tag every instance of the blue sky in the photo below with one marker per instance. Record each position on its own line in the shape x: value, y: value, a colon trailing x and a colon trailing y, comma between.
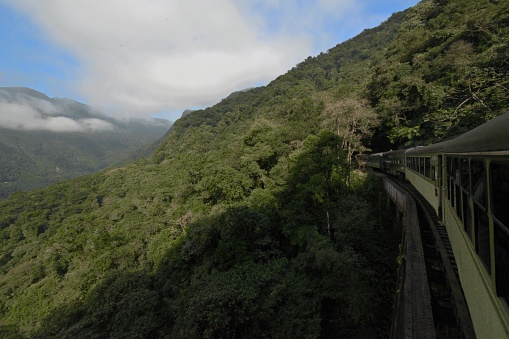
x: 29, y: 59
x: 143, y: 58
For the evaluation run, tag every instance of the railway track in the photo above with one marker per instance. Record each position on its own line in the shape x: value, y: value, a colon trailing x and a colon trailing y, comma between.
x: 451, y: 317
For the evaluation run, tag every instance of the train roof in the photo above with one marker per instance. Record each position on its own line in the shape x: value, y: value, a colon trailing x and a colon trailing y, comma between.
x: 489, y: 137
x: 396, y: 152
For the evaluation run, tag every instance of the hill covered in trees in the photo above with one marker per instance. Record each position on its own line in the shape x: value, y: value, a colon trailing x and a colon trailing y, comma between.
x: 248, y: 221
x: 45, y: 140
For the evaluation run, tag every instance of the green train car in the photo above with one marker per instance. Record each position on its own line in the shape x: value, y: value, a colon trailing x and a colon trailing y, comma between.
x: 466, y: 180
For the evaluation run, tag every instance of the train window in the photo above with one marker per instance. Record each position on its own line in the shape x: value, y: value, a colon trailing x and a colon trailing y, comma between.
x: 427, y: 167
x: 478, y: 177
x: 457, y: 195
x: 482, y: 235
x: 457, y: 191
x: 451, y: 192
x: 502, y: 261
x: 448, y: 179
x: 465, y: 215
x: 464, y: 173
x: 435, y: 177
x: 455, y: 170
x: 499, y: 203
x: 421, y: 165
x: 500, y: 192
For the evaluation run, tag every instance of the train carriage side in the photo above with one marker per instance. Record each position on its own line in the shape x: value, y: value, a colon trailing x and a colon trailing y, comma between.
x: 423, y: 172
x: 394, y: 162
x: 468, y: 184
x: 374, y: 160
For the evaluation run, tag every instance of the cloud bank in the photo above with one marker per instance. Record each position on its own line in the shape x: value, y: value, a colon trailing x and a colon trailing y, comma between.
x: 24, y: 112
x: 159, y: 55
x: 24, y: 117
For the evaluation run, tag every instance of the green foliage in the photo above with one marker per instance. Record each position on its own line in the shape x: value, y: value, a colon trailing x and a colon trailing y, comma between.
x: 113, y: 263
x: 443, y: 74
x: 247, y: 221
x: 351, y: 119
x: 36, y: 158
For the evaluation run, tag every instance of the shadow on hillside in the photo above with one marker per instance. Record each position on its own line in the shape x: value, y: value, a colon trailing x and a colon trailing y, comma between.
x: 271, y: 271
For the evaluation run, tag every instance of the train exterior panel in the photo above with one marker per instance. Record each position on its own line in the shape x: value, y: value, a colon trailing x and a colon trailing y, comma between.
x: 466, y: 180
x: 375, y: 160
x: 424, y: 179
x: 487, y: 311
x: 394, y: 162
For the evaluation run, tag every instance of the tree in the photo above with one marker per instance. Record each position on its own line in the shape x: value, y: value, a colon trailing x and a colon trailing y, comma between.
x: 318, y: 175
x: 351, y: 119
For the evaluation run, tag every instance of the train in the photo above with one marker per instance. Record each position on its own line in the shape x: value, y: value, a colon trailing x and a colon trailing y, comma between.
x: 466, y: 180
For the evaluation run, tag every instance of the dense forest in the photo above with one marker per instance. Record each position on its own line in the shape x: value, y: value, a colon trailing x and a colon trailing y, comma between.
x: 63, y: 139
x: 250, y: 220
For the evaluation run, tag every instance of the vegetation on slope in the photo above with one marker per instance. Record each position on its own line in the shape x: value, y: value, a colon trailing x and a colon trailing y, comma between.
x: 445, y: 73
x: 45, y: 140
x: 126, y: 253
x: 247, y: 222
x: 238, y: 210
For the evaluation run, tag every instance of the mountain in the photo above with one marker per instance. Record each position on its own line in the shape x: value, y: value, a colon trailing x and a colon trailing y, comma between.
x: 248, y: 220
x: 187, y: 111
x: 445, y: 73
x: 44, y: 140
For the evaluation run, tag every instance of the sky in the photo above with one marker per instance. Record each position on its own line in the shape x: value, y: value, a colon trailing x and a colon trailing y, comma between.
x: 146, y: 58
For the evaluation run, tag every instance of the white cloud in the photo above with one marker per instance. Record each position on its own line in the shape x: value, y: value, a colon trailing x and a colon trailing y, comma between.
x: 155, y: 55
x: 94, y: 124
x: 24, y: 116
x: 146, y: 56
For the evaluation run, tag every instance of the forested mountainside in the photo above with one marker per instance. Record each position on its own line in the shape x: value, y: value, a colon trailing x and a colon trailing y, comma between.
x: 45, y: 140
x: 445, y: 73
x: 248, y: 221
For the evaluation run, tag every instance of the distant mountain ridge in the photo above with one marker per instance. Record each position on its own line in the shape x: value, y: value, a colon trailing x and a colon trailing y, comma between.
x: 44, y: 140
x: 22, y: 102
x: 22, y: 90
